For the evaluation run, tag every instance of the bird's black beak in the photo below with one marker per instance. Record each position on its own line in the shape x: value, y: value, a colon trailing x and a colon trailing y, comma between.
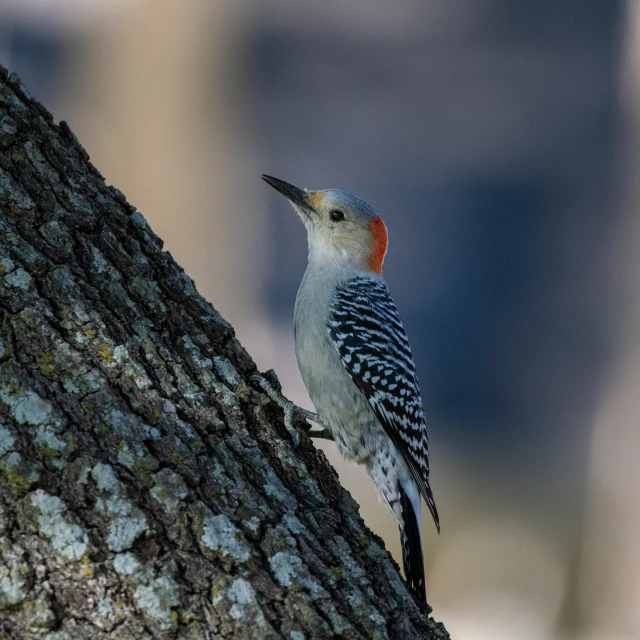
x: 298, y: 197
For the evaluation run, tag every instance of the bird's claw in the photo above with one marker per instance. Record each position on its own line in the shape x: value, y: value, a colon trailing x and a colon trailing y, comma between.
x: 291, y: 411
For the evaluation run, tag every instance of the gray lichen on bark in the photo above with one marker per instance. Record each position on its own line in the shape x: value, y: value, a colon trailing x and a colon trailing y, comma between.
x: 146, y: 489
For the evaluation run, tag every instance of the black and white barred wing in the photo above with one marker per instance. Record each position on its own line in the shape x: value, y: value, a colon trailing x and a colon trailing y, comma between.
x: 369, y: 336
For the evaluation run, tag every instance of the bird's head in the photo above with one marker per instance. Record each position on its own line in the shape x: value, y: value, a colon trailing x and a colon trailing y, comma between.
x: 342, y: 228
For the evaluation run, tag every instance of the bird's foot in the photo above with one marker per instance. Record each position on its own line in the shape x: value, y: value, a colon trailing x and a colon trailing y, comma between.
x: 291, y: 412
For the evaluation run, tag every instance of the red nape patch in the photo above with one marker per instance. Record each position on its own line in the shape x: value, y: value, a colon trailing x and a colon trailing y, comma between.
x: 379, y: 246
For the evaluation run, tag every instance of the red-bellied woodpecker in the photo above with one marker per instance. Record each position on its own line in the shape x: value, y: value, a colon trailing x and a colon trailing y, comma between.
x: 355, y: 359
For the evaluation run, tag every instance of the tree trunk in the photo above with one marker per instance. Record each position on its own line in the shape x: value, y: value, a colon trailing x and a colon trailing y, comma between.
x: 146, y: 490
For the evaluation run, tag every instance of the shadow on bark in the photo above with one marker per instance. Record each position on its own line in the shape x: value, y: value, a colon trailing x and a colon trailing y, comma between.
x: 146, y: 490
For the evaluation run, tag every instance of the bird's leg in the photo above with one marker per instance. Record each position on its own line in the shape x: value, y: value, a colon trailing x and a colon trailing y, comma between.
x: 292, y: 410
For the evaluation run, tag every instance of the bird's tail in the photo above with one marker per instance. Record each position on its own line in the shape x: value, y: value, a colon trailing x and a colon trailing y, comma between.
x: 412, y: 548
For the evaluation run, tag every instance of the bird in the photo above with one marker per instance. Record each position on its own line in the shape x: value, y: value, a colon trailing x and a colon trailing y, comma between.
x: 356, y: 362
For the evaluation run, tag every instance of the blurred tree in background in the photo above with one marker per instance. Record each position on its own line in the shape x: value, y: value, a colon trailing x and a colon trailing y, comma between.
x: 498, y: 139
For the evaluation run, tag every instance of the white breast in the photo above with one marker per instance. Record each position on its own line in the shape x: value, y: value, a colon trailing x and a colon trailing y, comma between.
x: 340, y: 405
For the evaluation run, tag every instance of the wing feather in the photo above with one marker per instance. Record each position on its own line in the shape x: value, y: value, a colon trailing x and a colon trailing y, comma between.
x: 368, y: 334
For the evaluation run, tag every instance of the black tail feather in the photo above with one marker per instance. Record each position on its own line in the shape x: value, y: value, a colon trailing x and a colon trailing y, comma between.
x: 412, y: 549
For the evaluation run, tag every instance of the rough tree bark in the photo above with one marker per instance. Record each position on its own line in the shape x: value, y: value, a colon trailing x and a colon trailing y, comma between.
x: 146, y: 490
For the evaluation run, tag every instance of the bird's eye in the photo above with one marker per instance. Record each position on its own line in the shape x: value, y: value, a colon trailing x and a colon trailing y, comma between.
x: 336, y: 215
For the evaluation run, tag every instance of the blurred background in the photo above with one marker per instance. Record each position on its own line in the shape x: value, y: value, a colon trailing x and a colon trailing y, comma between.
x: 500, y: 141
